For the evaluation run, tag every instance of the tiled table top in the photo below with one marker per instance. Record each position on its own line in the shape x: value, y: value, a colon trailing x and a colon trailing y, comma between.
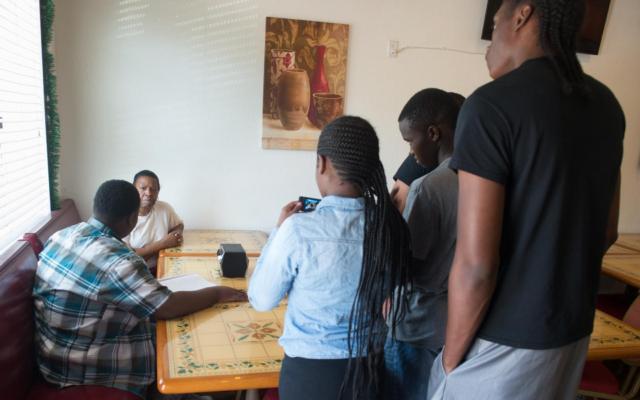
x: 613, y: 339
x: 227, y: 347
x: 231, y: 346
x: 207, y: 242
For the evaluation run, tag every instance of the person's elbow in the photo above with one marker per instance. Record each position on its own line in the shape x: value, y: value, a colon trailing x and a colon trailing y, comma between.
x: 260, y: 302
x: 261, y: 299
x: 476, y: 274
x: 261, y: 306
x: 163, y: 314
x: 168, y: 309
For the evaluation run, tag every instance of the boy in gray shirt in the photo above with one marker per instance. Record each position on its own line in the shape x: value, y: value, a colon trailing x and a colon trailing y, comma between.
x: 427, y: 123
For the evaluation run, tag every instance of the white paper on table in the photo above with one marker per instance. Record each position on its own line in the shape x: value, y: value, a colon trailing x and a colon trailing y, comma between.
x: 186, y: 283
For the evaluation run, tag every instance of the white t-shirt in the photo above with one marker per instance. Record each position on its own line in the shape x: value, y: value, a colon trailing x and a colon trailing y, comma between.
x: 153, y: 226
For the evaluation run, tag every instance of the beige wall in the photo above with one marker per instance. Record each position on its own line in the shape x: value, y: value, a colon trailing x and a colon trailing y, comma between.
x: 176, y: 86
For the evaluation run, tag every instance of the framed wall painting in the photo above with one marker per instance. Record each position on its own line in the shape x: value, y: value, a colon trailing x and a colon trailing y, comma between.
x: 305, y: 70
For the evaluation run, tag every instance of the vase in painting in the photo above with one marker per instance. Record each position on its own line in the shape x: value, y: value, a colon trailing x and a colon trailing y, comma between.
x: 329, y: 106
x: 319, y: 83
x: 281, y: 60
x: 293, y: 98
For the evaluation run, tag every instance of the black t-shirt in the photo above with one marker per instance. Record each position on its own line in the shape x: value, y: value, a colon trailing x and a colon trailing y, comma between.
x: 410, y: 170
x: 558, y: 157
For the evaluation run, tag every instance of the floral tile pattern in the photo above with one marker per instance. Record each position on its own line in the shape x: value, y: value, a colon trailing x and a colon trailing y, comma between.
x: 255, y: 331
x: 184, y: 336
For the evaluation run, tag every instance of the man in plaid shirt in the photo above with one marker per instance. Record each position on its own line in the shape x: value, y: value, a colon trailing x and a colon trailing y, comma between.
x: 94, y: 296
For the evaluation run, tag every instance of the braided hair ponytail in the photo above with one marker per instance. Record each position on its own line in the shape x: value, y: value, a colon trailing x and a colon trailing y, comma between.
x: 560, y: 22
x: 352, y: 146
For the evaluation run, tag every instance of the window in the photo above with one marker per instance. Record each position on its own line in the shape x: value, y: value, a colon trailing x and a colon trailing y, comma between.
x: 24, y: 182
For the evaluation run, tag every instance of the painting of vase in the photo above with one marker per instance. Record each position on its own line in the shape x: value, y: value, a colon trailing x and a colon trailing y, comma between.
x: 319, y: 83
x: 293, y: 98
x: 305, y: 69
x: 281, y: 60
x: 328, y: 106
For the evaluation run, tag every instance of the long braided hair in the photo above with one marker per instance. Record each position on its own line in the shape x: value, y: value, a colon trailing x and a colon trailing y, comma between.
x: 560, y: 22
x: 352, y: 146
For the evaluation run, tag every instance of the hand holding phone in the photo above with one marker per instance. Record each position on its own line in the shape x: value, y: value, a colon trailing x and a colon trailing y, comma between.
x: 308, y: 203
x: 288, y: 210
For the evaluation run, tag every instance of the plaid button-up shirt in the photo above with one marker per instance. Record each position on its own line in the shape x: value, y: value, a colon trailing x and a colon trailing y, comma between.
x: 93, y: 297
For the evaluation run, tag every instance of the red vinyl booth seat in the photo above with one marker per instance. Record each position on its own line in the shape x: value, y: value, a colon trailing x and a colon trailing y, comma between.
x: 596, y: 377
x: 16, y: 328
x: 19, y: 379
x: 43, y: 391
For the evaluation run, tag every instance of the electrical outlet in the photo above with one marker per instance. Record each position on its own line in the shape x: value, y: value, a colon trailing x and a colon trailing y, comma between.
x: 392, y: 48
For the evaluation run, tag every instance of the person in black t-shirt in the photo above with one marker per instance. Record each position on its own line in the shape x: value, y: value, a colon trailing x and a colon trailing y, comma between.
x: 408, y: 172
x: 535, y: 217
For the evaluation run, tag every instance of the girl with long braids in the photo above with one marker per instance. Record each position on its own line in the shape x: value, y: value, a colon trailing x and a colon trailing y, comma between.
x: 337, y: 265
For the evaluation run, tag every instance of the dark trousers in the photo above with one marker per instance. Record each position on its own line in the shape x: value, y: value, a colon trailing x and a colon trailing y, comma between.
x: 407, y: 369
x: 308, y: 379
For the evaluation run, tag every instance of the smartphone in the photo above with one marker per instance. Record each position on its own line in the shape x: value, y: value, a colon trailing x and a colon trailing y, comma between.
x: 308, y: 203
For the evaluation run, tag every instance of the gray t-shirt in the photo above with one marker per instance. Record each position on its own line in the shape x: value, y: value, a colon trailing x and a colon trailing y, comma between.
x: 431, y: 213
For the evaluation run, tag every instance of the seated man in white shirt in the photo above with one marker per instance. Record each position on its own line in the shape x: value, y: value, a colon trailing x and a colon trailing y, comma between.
x: 158, y: 227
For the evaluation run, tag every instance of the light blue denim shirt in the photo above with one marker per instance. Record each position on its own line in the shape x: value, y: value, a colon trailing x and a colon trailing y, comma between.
x: 315, y: 258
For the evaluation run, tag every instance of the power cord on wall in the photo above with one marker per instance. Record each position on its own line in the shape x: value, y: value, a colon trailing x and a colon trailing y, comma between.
x: 394, y: 49
x: 442, y: 48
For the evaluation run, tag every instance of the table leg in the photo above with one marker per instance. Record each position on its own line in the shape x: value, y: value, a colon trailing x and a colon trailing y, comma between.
x: 252, y: 394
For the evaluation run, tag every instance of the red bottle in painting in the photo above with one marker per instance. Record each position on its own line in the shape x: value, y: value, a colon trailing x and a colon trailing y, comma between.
x: 319, y: 83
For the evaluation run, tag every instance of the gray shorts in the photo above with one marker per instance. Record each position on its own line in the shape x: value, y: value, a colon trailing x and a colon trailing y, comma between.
x: 492, y: 371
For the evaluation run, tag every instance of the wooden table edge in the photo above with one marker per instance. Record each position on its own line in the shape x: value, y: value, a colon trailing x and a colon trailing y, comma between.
x: 162, y: 353
x: 608, y: 256
x: 202, y: 254
x: 623, y: 236
x: 618, y: 275
x: 622, y: 278
x: 613, y: 354
x: 630, y: 252
x: 627, y: 247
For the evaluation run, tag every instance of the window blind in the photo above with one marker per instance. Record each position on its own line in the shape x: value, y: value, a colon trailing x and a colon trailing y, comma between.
x: 24, y: 186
